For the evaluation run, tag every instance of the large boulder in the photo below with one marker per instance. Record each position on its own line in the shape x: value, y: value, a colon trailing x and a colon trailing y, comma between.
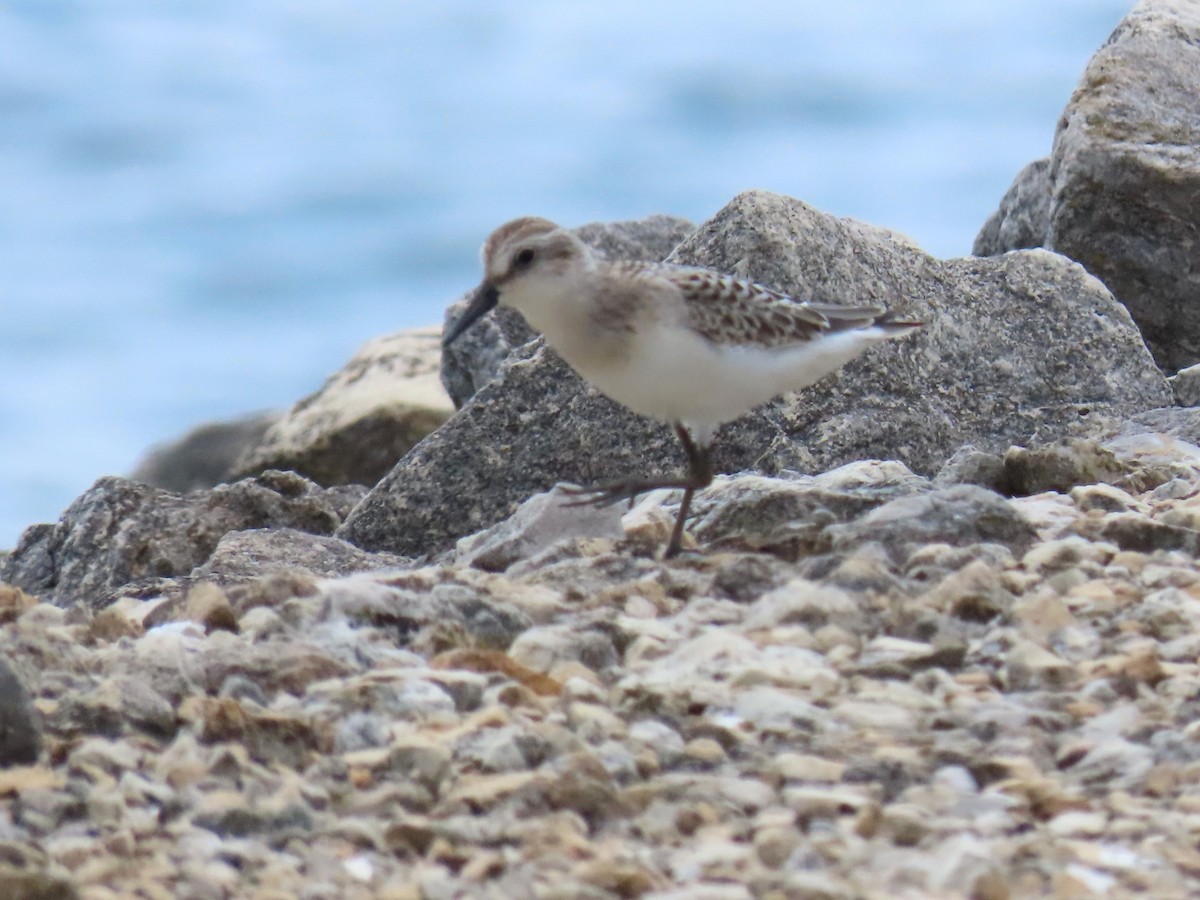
x: 120, y: 531
x: 1023, y: 220
x: 1015, y: 347
x: 363, y: 419
x: 1124, y: 176
x: 203, y: 457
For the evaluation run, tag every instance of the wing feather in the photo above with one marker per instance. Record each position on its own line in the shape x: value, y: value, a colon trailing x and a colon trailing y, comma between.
x: 731, y: 310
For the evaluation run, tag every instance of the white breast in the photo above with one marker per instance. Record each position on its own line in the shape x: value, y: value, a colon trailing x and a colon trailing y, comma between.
x: 675, y: 375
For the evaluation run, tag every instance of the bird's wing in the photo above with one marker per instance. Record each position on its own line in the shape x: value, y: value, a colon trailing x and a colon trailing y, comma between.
x: 731, y: 310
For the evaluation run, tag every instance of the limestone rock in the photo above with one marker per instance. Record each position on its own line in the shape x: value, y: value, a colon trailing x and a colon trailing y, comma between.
x: 1127, y: 169
x: 1059, y: 467
x: 958, y: 516
x: 118, y: 531
x: 1023, y: 219
x: 978, y: 372
x: 534, y: 427
x: 1185, y: 385
x: 539, y: 522
x: 1123, y: 175
x: 203, y: 457
x: 756, y: 512
x: 20, y: 733
x: 260, y: 551
x: 364, y: 418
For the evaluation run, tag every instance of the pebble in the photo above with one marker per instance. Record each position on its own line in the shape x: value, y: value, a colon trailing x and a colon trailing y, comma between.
x: 1009, y: 715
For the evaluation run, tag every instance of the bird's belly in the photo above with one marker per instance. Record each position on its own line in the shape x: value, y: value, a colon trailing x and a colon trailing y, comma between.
x: 678, y: 376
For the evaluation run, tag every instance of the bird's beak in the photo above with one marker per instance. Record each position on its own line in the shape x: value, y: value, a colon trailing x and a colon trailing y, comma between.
x: 483, y: 302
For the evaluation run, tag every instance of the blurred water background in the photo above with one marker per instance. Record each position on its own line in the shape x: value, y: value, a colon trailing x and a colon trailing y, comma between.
x: 207, y: 205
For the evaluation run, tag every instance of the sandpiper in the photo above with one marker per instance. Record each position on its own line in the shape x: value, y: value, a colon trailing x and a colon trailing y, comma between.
x: 685, y: 345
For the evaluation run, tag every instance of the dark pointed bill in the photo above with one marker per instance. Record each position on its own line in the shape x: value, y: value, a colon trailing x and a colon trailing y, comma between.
x: 483, y: 302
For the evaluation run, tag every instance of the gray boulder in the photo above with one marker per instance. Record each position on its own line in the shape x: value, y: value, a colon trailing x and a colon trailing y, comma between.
x: 119, y: 532
x: 265, y: 551
x: 1126, y: 174
x: 536, y: 425
x: 1123, y: 178
x: 1023, y: 219
x: 203, y: 457
x: 1015, y: 347
x: 960, y: 516
x: 476, y: 357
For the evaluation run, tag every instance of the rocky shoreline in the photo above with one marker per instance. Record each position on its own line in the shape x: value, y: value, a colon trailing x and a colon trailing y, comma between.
x: 939, y: 635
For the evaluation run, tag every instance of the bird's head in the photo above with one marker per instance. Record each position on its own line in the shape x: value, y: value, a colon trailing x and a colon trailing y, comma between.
x: 528, y: 264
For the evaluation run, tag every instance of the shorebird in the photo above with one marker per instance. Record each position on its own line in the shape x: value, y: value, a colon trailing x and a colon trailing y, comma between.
x: 685, y: 345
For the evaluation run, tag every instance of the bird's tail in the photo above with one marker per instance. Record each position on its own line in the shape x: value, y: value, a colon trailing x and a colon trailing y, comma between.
x: 895, y: 326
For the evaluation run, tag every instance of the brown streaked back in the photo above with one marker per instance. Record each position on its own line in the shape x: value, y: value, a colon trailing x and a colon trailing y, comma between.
x: 730, y: 310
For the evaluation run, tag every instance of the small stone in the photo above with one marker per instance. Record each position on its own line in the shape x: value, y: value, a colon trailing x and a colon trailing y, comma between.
x: 208, y: 605
x: 775, y: 845
x: 18, y: 884
x: 20, y: 730
x: 14, y: 602
x: 1104, y: 497
x: 704, y: 752
x: 975, y: 593
x: 1030, y: 667
x: 111, y: 624
x: 1060, y: 467
x: 542, y: 520
x: 1078, y: 823
x: 494, y: 661
x: 483, y: 867
x: 905, y: 824
x: 802, y: 767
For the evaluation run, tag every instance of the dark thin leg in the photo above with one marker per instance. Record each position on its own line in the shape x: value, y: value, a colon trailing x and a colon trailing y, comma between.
x: 699, y: 475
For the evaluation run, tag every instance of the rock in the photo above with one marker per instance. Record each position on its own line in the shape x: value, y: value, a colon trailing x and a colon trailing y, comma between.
x: 21, y: 884
x: 1126, y: 167
x: 1023, y: 220
x: 208, y: 606
x: 1133, y: 531
x: 260, y: 551
x: 1115, y: 762
x: 1059, y: 467
x: 1125, y: 164
x: 364, y: 418
x: 1180, y: 423
x: 475, y: 359
x: 968, y: 465
x: 1185, y: 385
x: 118, y: 532
x: 14, y: 603
x: 540, y: 521
x: 475, y: 469
x: 975, y: 593
x: 1030, y: 667
x: 203, y: 457
x: 20, y: 731
x: 957, y: 516
x: 754, y: 512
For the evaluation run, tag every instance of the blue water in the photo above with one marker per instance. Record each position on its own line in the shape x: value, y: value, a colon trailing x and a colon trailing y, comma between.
x: 207, y: 206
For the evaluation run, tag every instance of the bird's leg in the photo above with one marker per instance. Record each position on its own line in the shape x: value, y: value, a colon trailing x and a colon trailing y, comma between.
x: 699, y: 475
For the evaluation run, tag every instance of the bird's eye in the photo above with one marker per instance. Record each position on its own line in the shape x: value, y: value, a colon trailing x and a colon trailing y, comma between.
x: 523, y: 259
